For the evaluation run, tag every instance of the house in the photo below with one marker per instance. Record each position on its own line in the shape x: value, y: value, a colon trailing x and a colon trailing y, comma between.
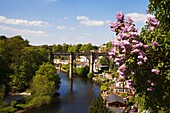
x: 121, y: 86
x: 102, y: 49
x: 59, y: 61
x: 115, y: 103
x: 82, y: 59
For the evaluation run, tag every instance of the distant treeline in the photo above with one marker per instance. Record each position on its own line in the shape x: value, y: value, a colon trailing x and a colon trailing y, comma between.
x: 77, y: 48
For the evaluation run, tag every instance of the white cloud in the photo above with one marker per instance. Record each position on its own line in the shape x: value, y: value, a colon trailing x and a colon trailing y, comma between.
x: 52, y: 0
x: 137, y: 17
x: 85, y: 35
x: 81, y: 18
x: 72, y: 28
x: 66, y: 18
x: 48, y: 0
x: 87, y: 22
x: 61, y: 27
x: 22, y: 22
x: 22, y: 31
x: 108, y: 21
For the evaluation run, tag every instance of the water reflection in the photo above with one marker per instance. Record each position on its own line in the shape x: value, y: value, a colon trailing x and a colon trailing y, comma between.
x: 71, y: 85
x: 75, y: 96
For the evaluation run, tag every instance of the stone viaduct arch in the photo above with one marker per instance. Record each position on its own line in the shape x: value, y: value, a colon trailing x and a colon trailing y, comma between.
x: 91, y: 56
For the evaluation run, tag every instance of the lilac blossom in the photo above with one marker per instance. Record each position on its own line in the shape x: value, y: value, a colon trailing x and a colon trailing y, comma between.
x: 141, y: 57
x: 153, y: 21
x: 124, y: 29
x: 120, y: 16
x: 149, y: 81
x: 145, y: 59
x: 121, y: 73
x: 124, y: 51
x: 146, y: 46
x: 135, y: 41
x: 122, y: 68
x: 121, y: 55
x: 119, y: 37
x: 132, y: 73
x: 147, y: 12
x: 139, y: 63
x: 150, y: 89
x: 132, y: 28
x: 130, y: 82
x: 125, y: 42
x: 153, y: 84
x: 155, y: 44
x: 114, y: 26
x: 135, y: 51
x: 151, y: 28
x: 117, y: 63
x: 133, y: 35
x: 125, y: 35
x: 138, y: 45
x: 129, y: 20
x: 155, y: 71
x: 129, y: 45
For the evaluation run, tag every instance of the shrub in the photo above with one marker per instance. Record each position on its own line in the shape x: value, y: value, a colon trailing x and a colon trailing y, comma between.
x: 13, y: 103
x: 90, y: 75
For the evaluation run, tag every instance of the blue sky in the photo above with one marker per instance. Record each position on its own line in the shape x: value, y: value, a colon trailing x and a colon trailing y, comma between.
x: 67, y: 21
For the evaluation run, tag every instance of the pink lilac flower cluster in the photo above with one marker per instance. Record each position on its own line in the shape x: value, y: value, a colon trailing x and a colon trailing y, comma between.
x: 152, y: 23
x: 128, y: 43
x: 151, y: 85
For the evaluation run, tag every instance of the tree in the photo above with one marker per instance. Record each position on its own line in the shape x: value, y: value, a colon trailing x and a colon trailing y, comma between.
x: 4, y: 61
x: 57, y: 48
x: 78, y: 46
x: 83, y: 71
x: 65, y: 47
x: 86, y: 47
x: 98, y: 106
x: 44, y: 84
x: 108, y: 46
x: 47, y: 69
x: 72, y: 49
x: 104, y: 61
x: 162, y: 12
x: 30, y: 60
x: 143, y: 60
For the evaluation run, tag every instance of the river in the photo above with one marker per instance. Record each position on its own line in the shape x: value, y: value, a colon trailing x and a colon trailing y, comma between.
x: 76, y: 100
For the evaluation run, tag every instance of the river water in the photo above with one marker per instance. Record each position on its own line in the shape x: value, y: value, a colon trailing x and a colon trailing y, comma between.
x: 75, y: 96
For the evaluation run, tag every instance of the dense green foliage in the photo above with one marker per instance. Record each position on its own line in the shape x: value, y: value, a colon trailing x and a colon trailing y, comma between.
x: 104, y: 61
x: 19, y: 63
x: 161, y: 9
x: 44, y: 84
x: 90, y: 75
x: 73, y: 48
x: 83, y: 71
x: 159, y: 58
x: 98, y: 106
x: 143, y: 60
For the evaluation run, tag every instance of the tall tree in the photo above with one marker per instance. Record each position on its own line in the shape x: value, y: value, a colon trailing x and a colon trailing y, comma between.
x: 143, y: 59
x: 161, y: 9
x: 44, y: 84
x: 4, y: 65
x: 98, y: 106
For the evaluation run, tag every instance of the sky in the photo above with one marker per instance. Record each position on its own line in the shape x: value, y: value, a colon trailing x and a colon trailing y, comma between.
x: 51, y: 22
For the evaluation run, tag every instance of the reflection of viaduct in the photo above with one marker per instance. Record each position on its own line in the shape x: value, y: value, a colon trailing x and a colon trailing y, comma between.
x: 91, y: 56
